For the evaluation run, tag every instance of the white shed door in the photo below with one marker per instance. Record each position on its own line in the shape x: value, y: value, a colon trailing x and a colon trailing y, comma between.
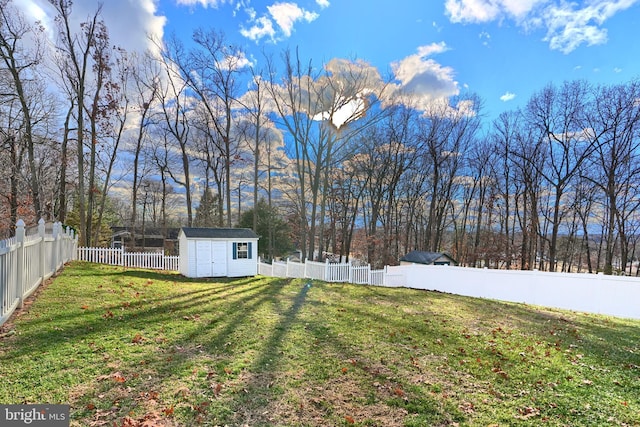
x: 219, y: 258
x: 204, y: 260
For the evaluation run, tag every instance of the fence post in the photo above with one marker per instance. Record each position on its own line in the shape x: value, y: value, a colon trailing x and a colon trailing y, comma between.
x: 384, y: 276
x: 55, y: 252
x: 350, y: 272
x: 20, y: 260
x: 41, y: 251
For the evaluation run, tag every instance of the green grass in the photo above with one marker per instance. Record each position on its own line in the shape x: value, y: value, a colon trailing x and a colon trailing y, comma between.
x: 126, y: 347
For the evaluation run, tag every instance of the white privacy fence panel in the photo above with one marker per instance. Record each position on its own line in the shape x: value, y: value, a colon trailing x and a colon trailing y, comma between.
x: 111, y: 256
x: 295, y: 269
x: 316, y: 270
x: 265, y: 269
x: 279, y: 269
x: 27, y: 261
x: 592, y: 293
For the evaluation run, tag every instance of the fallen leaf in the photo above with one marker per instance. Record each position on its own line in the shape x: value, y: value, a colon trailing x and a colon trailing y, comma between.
x: 349, y: 419
x: 85, y: 307
x: 527, y: 412
x: 168, y: 411
x: 137, y: 339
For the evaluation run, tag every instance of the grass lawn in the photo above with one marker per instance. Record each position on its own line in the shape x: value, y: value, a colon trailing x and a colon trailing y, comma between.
x: 132, y: 347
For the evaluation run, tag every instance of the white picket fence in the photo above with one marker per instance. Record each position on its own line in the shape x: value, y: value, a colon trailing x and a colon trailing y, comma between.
x: 27, y: 261
x: 327, y: 271
x: 112, y: 256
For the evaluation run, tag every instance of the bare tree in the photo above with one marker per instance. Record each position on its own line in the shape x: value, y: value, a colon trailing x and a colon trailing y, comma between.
x: 558, y: 118
x: 321, y: 112
x: 445, y: 133
x: 614, y: 123
x: 176, y: 107
x: 20, y: 62
x: 212, y: 71
x: 75, y: 50
x: 146, y: 80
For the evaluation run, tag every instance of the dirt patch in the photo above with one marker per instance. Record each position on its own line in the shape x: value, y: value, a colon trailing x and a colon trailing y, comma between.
x: 340, y: 400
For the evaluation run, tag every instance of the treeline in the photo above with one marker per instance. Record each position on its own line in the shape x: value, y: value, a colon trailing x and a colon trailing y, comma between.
x: 552, y: 186
x: 355, y: 165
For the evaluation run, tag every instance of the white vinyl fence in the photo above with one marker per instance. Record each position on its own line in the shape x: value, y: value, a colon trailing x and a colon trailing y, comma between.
x: 592, y: 293
x: 27, y: 261
x: 327, y: 271
x: 111, y: 256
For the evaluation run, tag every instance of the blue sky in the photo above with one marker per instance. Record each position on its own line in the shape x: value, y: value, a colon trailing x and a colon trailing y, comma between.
x: 501, y: 50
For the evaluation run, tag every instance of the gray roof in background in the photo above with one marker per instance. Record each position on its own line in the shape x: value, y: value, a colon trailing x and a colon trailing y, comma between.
x: 219, y: 233
x: 424, y: 257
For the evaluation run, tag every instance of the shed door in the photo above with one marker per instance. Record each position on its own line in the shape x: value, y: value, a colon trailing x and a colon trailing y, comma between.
x: 219, y: 250
x: 203, y: 258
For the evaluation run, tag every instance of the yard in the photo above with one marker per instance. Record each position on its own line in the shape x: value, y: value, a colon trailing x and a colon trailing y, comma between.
x: 133, y: 347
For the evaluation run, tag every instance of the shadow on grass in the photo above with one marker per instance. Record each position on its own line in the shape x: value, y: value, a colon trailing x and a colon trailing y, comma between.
x: 240, y: 332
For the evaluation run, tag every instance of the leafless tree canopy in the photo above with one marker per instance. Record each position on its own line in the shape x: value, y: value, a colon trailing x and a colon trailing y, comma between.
x: 95, y: 137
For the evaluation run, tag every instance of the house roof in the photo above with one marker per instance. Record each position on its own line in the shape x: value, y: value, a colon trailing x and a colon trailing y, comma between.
x: 424, y: 257
x: 171, y: 232
x: 219, y: 233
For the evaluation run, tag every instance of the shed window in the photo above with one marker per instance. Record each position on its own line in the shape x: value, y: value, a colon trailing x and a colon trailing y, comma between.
x: 242, y: 250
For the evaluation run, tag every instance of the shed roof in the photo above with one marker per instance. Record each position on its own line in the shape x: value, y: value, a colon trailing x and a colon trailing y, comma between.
x: 424, y: 257
x: 219, y: 233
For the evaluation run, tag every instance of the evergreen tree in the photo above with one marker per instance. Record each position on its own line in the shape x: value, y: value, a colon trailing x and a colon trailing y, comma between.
x: 207, y: 210
x: 272, y: 229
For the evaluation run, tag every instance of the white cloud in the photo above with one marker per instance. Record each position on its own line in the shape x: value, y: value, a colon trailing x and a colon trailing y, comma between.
x: 284, y: 14
x: 262, y: 27
x: 568, y: 25
x: 617, y: 70
x: 204, y: 3
x: 287, y: 14
x: 508, y: 96
x: 127, y: 30
x: 485, y: 37
x: 423, y: 78
x: 471, y: 10
x: 323, y: 3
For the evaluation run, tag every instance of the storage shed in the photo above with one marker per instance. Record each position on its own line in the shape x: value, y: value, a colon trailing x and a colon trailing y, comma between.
x: 218, y: 252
